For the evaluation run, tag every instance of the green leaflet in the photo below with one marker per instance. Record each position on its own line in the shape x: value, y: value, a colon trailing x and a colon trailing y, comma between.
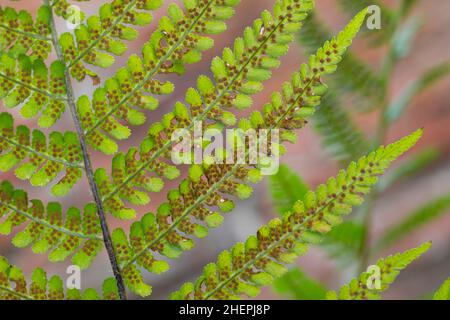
x: 443, y: 293
x: 102, y: 36
x: 427, y: 213
x: 14, y: 286
x: 390, y: 267
x: 46, y: 230
x: 45, y: 160
x: 208, y: 187
x: 30, y: 84
x: 255, y: 263
x: 286, y: 188
x: 238, y: 74
x: 388, y: 18
x: 20, y: 34
x: 179, y: 40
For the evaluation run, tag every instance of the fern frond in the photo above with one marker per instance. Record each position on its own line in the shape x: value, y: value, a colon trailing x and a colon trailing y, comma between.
x: 443, y: 293
x: 45, y: 162
x: 390, y: 267
x: 354, y: 77
x: 102, y: 36
x: 415, y: 220
x: 32, y: 85
x: 46, y: 230
x: 20, y: 34
x: 179, y: 40
x: 238, y: 74
x: 189, y: 208
x: 14, y: 286
x: 246, y: 267
x: 339, y: 134
x: 286, y: 188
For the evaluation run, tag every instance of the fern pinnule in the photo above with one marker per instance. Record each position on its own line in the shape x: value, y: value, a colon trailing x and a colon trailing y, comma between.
x: 20, y: 34
x: 179, y: 40
x: 45, y: 161
x: 46, y: 230
x: 238, y: 74
x: 190, y: 209
x: 29, y: 84
x: 246, y: 267
x: 14, y: 286
x: 363, y: 289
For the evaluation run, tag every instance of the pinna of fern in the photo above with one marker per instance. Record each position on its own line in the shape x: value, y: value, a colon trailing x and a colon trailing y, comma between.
x: 45, y: 161
x: 20, y: 34
x: 13, y: 286
x: 250, y: 265
x: 47, y: 230
x: 390, y: 267
x: 208, y: 186
x: 179, y: 40
x: 238, y: 74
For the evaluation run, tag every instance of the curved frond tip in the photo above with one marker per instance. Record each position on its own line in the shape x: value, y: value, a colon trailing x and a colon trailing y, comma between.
x: 250, y: 265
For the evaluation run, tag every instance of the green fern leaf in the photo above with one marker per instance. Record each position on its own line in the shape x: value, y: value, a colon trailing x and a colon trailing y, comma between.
x: 14, y: 286
x: 390, y: 268
x: 208, y: 186
x: 238, y: 74
x: 46, y: 162
x: 46, y: 230
x: 388, y: 18
x: 20, y: 34
x: 443, y: 293
x: 246, y: 267
x: 30, y: 84
x: 102, y: 36
x: 179, y: 40
x: 354, y: 76
x: 429, y: 212
x: 286, y: 188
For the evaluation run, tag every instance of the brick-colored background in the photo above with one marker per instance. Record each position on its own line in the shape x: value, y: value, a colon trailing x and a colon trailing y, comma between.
x: 430, y: 110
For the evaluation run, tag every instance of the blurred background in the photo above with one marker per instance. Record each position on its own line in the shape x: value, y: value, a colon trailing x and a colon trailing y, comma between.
x: 310, y: 158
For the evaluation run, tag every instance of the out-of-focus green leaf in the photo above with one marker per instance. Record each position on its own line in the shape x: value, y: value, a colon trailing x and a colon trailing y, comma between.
x: 343, y: 243
x: 298, y: 286
x: 429, y: 78
x: 286, y: 188
x: 403, y: 38
x: 414, y: 221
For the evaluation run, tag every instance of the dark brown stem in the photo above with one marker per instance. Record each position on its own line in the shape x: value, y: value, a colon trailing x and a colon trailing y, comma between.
x: 88, y: 166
